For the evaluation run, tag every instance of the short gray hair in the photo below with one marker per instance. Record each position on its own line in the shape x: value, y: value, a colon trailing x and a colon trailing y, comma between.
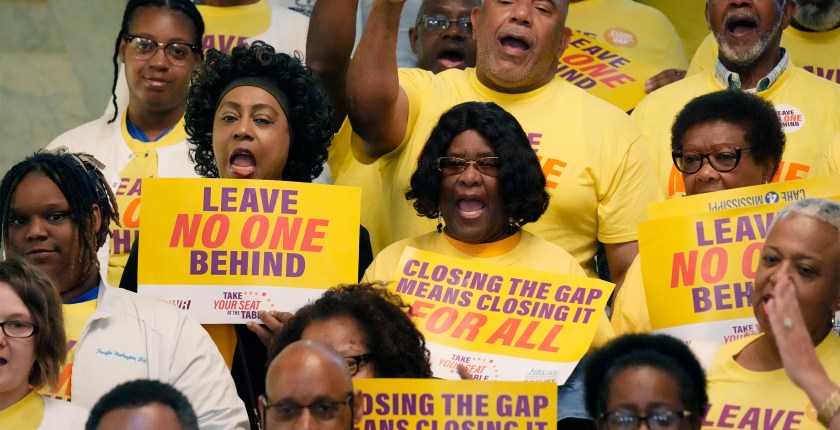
x: 822, y: 209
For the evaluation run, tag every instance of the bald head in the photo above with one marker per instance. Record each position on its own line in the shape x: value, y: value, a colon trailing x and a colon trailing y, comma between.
x: 311, y: 358
x: 308, y: 385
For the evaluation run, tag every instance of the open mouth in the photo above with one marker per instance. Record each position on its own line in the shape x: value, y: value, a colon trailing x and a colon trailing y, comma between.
x: 470, y: 208
x: 242, y: 163
x: 741, y: 25
x: 763, y: 302
x: 3, y: 361
x: 451, y: 58
x: 514, y: 44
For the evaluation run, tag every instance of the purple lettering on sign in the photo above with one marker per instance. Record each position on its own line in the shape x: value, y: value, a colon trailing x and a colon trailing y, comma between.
x: 721, y: 228
x: 208, y: 207
x: 701, y: 238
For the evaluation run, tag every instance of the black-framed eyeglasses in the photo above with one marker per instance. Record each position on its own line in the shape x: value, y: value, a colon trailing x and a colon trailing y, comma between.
x: 144, y: 48
x: 354, y: 362
x: 627, y: 420
x: 441, y: 23
x: 324, y: 409
x: 18, y: 329
x: 456, y: 165
x: 722, y: 159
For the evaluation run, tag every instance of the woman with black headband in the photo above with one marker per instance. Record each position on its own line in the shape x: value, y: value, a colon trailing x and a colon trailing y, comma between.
x: 256, y: 114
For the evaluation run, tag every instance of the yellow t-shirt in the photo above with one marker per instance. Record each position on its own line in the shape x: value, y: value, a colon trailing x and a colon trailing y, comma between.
x: 226, y: 27
x: 525, y: 250
x: 829, y: 162
x: 639, y: 31
x: 744, y: 399
x: 347, y: 171
x: 597, y: 172
x: 816, y: 52
x: 26, y: 414
x: 689, y: 18
x: 629, y: 308
x: 143, y: 165
x: 76, y: 317
x: 809, y: 108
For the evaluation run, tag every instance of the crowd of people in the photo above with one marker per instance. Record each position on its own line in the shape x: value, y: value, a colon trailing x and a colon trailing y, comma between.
x: 483, y: 152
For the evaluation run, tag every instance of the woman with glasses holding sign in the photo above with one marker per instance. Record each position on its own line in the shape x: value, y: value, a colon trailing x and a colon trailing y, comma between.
x: 32, y: 349
x: 732, y: 139
x: 480, y: 178
x: 159, y: 44
x: 719, y: 141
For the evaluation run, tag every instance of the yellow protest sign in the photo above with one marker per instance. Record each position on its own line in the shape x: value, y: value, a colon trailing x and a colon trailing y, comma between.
x: 436, y: 404
x: 224, y: 249
x: 600, y: 69
x: 698, y: 269
x: 502, y: 323
x: 778, y: 192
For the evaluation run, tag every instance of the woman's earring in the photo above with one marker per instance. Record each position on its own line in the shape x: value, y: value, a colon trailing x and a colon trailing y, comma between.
x: 440, y: 222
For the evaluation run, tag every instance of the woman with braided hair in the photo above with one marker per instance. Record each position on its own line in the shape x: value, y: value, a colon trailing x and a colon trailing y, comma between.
x: 55, y: 210
x: 158, y: 45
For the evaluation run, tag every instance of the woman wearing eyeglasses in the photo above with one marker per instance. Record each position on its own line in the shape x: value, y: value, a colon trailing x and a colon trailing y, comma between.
x: 159, y: 44
x: 719, y: 141
x: 643, y: 369
x: 368, y: 325
x: 480, y: 178
x: 32, y: 349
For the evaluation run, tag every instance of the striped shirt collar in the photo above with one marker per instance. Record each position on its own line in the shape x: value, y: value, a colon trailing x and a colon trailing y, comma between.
x: 732, y: 81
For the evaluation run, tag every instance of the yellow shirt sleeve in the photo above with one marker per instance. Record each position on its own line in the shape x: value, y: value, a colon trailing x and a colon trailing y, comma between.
x: 26, y: 414
x: 629, y: 310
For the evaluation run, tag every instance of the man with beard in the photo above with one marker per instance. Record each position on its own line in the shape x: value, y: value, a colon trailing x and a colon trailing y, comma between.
x: 597, y: 171
x: 812, y: 40
x: 442, y: 39
x: 748, y: 33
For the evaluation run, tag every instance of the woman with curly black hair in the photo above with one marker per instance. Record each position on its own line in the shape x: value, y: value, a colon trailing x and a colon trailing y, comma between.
x: 479, y: 176
x: 257, y: 114
x: 368, y: 325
